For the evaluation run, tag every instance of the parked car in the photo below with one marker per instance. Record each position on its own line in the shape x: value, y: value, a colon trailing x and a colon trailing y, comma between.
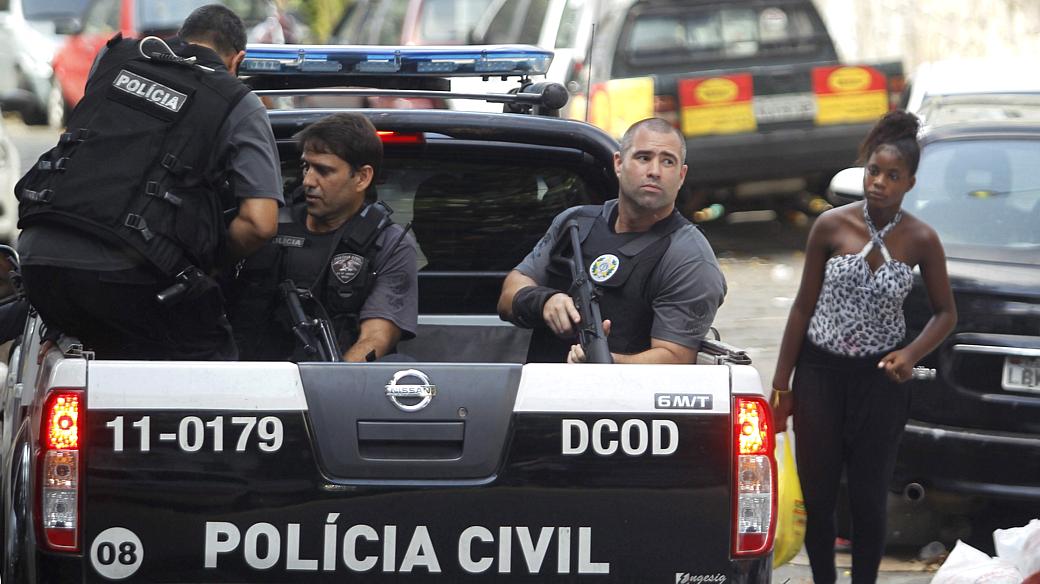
x: 768, y: 110
x: 973, y: 434
x: 407, y: 22
x: 31, y: 31
x: 962, y: 90
x: 564, y: 27
x: 135, y: 18
x: 10, y: 172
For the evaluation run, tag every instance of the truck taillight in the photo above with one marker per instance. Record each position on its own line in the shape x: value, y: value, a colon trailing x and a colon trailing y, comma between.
x: 754, y: 468
x: 61, y: 438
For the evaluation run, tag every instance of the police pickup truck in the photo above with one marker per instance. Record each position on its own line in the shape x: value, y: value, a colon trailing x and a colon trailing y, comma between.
x: 465, y: 465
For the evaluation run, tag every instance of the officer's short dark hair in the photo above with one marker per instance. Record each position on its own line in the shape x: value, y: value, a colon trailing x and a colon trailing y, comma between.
x: 215, y: 25
x: 347, y: 135
x: 654, y: 125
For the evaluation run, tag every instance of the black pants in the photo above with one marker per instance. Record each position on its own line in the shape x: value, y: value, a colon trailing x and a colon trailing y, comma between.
x: 116, y: 315
x: 847, y: 415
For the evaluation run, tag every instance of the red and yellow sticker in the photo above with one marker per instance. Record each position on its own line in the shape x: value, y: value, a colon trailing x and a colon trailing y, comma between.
x: 847, y: 95
x: 619, y: 103
x: 717, y: 105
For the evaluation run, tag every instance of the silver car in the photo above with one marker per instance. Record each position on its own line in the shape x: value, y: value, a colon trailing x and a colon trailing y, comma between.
x: 31, y: 31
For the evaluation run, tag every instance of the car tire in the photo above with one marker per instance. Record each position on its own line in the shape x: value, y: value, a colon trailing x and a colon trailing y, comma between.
x: 36, y: 115
x: 56, y: 108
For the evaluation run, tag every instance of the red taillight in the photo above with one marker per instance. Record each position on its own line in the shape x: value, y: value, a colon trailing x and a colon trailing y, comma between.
x: 389, y: 137
x: 754, y: 471
x: 61, y: 437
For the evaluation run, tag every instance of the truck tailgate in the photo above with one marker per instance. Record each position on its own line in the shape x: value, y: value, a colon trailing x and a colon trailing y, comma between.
x: 276, y: 472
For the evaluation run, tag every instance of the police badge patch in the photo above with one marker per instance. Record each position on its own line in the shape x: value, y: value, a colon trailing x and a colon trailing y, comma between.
x: 346, y: 266
x: 604, y: 267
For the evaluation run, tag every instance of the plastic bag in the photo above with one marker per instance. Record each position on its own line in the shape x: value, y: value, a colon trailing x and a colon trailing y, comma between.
x: 1020, y: 546
x: 967, y: 565
x: 790, y: 507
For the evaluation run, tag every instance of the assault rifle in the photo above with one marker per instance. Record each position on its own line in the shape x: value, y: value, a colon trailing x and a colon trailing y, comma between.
x: 314, y: 333
x: 590, y: 331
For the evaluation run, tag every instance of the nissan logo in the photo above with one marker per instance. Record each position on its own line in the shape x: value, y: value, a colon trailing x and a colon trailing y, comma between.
x: 410, y: 397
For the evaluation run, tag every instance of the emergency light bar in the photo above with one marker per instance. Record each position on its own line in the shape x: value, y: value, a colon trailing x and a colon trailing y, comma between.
x: 346, y: 60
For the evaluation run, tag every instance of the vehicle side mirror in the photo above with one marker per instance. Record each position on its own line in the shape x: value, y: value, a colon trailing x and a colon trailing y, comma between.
x: 68, y: 26
x: 846, y: 187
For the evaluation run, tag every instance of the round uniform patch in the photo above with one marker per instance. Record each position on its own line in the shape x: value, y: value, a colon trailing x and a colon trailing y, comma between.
x: 604, y: 267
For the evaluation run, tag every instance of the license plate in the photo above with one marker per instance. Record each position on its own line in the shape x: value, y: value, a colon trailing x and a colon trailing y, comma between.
x: 784, y: 108
x: 1021, y: 373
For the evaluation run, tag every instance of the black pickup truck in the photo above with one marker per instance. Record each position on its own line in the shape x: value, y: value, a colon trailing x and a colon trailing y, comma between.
x: 463, y: 466
x: 755, y: 85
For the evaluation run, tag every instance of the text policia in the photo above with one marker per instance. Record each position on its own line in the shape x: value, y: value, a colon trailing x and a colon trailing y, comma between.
x: 361, y: 548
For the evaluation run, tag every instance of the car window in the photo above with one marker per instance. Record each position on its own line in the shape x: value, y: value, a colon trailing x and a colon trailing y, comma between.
x: 49, y: 9
x: 717, y: 32
x: 447, y: 22
x: 167, y: 15
x: 103, y: 18
x: 503, y: 27
x: 389, y: 22
x: 471, y: 215
x: 531, y: 25
x: 980, y: 192
x: 567, y: 35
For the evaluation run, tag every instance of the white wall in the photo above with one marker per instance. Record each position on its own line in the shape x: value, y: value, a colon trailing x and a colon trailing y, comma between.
x: 926, y: 30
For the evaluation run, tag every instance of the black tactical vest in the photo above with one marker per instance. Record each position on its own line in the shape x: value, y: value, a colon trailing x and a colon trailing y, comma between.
x: 620, y: 267
x: 135, y: 164
x: 259, y: 317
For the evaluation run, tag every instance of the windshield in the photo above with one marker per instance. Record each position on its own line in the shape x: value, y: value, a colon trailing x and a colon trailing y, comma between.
x: 980, y: 193
x: 448, y: 22
x: 980, y: 107
x: 53, y: 9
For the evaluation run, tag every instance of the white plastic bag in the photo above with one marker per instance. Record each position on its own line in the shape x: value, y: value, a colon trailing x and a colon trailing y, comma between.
x: 967, y: 565
x: 1020, y: 546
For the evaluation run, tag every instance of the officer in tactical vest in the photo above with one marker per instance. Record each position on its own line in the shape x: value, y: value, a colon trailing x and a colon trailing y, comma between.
x: 124, y: 220
x: 657, y: 279
x: 340, y: 247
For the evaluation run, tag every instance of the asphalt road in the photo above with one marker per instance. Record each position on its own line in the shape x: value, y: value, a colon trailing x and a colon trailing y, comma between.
x: 762, y: 263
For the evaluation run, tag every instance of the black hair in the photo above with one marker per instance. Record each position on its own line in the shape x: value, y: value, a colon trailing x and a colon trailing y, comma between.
x: 215, y: 25
x: 654, y: 125
x: 351, y: 137
x: 898, y: 129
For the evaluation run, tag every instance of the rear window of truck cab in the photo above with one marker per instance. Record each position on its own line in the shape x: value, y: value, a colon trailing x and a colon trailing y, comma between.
x: 713, y: 33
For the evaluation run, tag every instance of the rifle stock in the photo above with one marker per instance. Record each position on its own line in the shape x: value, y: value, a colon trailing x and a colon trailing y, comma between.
x: 590, y: 331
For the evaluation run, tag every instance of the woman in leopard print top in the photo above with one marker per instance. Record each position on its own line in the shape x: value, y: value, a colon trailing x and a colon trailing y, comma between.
x: 844, y: 341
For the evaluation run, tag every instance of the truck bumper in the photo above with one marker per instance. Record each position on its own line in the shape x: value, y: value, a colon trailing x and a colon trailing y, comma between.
x: 811, y: 153
x: 969, y: 462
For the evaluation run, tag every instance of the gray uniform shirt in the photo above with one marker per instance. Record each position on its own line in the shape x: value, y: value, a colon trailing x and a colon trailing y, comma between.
x: 246, y: 147
x: 687, y: 285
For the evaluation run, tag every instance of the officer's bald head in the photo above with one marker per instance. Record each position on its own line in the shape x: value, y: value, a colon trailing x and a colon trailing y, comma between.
x: 217, y: 27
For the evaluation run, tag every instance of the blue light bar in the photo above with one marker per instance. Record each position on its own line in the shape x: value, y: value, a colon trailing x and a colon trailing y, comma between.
x: 347, y: 60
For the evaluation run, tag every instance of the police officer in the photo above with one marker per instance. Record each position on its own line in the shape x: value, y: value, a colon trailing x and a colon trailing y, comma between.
x: 658, y: 281
x: 129, y: 206
x: 339, y: 244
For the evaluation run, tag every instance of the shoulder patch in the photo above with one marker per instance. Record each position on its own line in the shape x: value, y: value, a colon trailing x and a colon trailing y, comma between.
x: 151, y: 91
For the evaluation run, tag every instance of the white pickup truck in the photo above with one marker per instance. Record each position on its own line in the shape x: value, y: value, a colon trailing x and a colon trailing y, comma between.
x: 465, y: 465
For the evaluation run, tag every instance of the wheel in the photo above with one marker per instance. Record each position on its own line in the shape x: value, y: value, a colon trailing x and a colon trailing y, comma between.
x: 56, y: 106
